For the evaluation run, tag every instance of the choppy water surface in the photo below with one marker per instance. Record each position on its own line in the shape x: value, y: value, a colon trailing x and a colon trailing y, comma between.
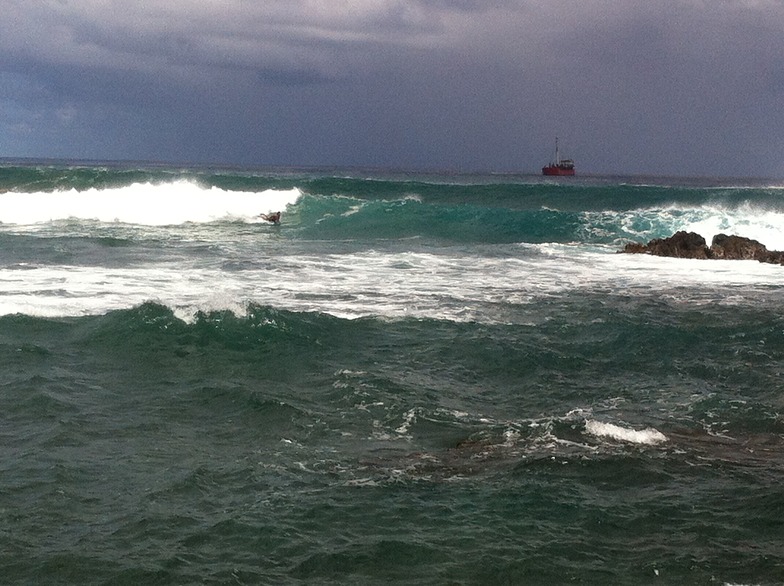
x: 411, y: 379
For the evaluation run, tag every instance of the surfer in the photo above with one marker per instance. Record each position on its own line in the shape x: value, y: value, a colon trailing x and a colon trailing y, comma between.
x: 273, y: 217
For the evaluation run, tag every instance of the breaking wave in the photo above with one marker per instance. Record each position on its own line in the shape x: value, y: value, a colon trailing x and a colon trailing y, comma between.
x: 172, y: 203
x: 647, y: 436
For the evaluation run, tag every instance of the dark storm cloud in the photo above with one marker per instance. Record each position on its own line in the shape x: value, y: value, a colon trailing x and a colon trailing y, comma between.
x: 668, y: 87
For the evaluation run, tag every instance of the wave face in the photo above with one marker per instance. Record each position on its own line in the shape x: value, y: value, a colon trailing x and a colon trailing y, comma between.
x: 457, y: 210
x: 411, y: 378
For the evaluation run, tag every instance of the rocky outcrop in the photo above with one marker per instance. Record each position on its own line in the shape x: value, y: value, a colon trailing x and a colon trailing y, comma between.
x: 692, y: 245
x: 737, y: 248
x: 680, y: 245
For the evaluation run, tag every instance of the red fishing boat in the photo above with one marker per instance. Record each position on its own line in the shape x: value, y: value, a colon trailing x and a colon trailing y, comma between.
x: 559, y: 166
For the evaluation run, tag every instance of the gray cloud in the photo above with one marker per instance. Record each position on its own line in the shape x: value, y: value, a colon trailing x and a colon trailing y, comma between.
x: 685, y: 87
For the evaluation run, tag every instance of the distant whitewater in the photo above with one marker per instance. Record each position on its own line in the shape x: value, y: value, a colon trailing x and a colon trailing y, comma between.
x: 412, y: 378
x: 151, y: 204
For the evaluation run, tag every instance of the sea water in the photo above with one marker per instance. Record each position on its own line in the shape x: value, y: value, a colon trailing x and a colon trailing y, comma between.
x: 413, y: 379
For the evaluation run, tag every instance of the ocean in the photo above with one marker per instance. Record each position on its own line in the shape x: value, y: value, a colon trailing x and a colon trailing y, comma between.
x: 413, y: 379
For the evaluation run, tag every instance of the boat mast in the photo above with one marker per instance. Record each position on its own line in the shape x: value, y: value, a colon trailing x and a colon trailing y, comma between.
x: 557, y: 156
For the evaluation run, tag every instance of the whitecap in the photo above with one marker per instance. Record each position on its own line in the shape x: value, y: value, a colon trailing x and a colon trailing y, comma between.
x: 647, y: 436
x: 150, y: 204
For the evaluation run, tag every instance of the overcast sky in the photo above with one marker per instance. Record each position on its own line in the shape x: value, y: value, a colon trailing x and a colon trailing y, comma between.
x: 663, y: 87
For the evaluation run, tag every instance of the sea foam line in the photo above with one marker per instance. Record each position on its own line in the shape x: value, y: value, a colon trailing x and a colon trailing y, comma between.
x: 371, y: 283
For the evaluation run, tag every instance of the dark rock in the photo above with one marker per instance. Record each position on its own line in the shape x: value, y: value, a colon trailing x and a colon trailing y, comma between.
x: 680, y: 245
x: 635, y: 248
x: 738, y: 248
x: 691, y: 245
x: 775, y: 257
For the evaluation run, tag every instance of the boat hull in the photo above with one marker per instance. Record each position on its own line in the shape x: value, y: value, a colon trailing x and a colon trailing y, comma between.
x: 557, y: 171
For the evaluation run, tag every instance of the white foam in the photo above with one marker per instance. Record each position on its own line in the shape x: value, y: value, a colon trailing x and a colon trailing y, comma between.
x: 151, y: 204
x: 647, y: 436
x: 372, y: 283
x: 408, y: 419
x: 748, y: 220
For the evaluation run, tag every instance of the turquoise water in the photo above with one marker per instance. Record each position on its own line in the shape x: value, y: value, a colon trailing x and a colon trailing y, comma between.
x: 413, y: 379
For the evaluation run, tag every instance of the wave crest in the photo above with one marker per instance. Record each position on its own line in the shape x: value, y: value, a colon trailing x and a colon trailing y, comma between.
x: 647, y: 436
x: 161, y: 204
